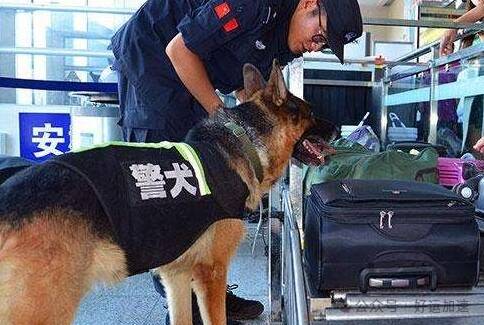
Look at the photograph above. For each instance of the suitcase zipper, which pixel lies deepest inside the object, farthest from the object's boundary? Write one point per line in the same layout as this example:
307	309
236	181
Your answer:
396	197
372	205
448	213
382	217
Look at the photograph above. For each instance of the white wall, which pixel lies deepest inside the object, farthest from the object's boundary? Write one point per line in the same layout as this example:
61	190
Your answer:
377	32
396	10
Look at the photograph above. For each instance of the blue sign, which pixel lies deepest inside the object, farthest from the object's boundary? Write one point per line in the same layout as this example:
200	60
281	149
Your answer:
44	135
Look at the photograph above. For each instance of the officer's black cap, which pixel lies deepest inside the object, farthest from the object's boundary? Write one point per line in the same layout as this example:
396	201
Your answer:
344	24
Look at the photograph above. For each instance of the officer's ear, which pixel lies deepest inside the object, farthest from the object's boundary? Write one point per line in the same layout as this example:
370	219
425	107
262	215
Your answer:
253	80
277	85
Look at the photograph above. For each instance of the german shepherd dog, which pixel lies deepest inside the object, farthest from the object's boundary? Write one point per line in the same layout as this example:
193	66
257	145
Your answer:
51	253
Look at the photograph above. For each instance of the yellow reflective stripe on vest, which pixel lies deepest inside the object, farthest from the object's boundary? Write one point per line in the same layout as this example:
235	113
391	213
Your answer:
184	149
189	154
164	145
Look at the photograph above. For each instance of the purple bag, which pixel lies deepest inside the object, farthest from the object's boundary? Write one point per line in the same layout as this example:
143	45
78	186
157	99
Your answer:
365	136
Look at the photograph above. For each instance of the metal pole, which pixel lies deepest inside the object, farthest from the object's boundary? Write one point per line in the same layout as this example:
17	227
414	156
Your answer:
419	51
420	23
384	108
300	292
289	292
471	52
295	265
368	62
339	83
417	32
275	268
56	51
51	7
434	104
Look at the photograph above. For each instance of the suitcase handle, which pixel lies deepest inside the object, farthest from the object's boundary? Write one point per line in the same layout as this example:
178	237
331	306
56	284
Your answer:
391	278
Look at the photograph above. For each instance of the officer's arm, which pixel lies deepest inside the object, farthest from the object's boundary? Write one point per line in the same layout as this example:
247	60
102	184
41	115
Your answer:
192	72
472	16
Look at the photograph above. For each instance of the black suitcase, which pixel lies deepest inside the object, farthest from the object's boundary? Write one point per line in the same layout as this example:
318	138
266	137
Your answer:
389	234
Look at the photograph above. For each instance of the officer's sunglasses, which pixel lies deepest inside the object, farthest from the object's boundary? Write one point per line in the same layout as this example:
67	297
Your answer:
320	38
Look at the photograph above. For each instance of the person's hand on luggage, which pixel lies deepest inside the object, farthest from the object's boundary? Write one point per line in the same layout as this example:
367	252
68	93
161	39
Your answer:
480	145
447	42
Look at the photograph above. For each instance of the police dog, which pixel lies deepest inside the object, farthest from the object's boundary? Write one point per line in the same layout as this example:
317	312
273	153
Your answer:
52	250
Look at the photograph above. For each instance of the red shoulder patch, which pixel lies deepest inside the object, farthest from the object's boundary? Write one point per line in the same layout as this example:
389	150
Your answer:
231	25
222	10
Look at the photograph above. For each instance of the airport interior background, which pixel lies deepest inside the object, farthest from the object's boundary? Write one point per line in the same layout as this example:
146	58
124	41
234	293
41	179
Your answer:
58	93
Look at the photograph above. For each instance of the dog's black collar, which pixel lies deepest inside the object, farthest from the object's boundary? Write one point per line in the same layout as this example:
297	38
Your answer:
248	148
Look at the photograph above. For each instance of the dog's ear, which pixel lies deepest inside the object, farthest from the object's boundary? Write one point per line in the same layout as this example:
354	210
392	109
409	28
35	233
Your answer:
253	80
277	84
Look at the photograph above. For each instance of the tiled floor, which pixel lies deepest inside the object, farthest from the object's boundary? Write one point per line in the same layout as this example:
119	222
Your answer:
135	301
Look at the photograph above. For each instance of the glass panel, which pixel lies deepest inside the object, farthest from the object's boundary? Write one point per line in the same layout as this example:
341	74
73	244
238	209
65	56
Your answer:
469	109
51	30
457	91
406	95
30	45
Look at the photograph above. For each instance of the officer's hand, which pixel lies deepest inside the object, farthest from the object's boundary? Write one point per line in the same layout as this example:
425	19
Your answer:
480	145
447	42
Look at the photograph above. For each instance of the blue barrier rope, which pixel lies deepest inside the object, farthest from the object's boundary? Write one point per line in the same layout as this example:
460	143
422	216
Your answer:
58	85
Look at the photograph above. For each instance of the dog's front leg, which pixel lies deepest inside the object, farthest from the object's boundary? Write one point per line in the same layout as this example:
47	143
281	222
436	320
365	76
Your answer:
179	295
210	285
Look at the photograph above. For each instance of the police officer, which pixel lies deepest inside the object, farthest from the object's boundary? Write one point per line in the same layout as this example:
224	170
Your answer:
173	54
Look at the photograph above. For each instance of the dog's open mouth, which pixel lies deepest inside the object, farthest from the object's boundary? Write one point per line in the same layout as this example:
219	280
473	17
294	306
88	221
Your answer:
311	150
313	146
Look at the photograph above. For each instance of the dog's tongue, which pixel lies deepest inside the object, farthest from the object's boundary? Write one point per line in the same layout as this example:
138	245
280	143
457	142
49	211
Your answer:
313	145
312	150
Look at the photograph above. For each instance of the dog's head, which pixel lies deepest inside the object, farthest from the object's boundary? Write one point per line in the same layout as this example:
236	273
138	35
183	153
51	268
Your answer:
294	129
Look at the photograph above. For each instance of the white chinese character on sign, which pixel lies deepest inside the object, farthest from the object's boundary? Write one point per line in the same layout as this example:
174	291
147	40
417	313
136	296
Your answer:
181	182
46	143
150	180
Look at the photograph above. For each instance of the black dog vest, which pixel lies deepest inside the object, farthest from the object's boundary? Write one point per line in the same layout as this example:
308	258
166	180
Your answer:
159	198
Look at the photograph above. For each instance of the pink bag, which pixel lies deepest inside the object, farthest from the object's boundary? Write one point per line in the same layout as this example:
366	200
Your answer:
451	170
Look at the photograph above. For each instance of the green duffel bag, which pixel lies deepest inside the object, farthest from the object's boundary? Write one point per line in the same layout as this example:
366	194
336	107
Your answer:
353	161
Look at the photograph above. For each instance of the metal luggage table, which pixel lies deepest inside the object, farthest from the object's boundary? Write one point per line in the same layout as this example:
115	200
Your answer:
292	301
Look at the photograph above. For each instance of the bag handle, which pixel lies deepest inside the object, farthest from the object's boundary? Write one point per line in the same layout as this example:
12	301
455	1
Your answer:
391	278
395	119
